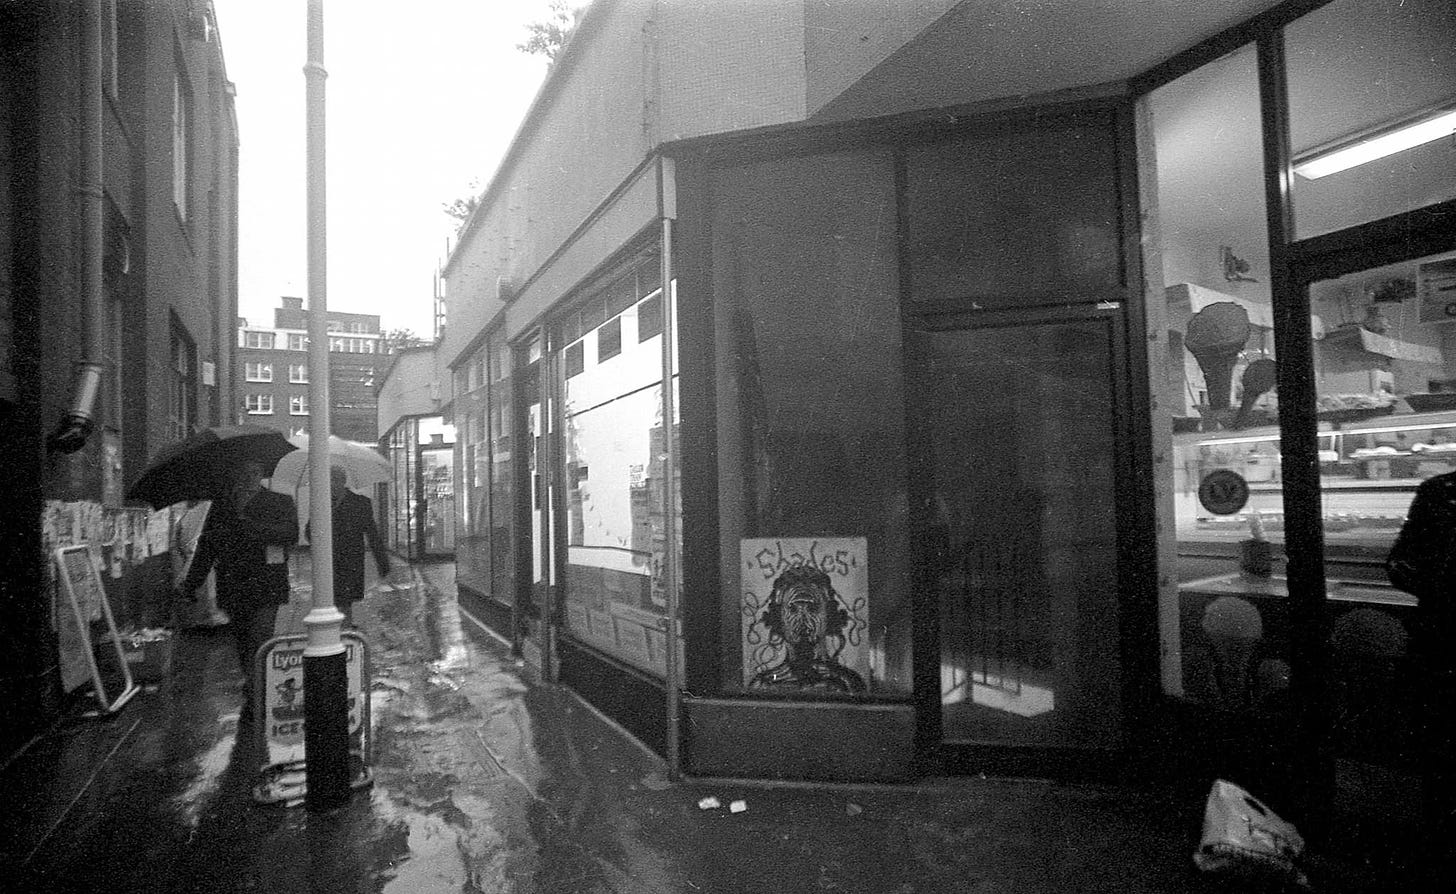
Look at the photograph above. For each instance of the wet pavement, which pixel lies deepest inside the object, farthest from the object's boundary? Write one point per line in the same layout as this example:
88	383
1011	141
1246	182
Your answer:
488	781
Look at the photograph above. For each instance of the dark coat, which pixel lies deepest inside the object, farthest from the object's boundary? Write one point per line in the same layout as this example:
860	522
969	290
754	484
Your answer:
353	519
1423	562
238	546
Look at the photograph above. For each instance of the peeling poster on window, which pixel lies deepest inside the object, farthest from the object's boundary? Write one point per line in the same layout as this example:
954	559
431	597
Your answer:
805	612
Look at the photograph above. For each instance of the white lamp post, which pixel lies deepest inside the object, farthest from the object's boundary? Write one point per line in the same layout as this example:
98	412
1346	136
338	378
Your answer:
325	671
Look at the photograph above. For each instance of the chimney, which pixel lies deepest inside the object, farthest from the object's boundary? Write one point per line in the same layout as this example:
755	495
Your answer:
292	303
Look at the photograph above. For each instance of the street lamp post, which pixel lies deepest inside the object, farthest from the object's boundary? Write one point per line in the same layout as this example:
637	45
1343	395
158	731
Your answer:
325	669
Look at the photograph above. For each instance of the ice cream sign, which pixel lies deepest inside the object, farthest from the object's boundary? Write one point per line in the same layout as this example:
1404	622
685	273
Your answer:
281	676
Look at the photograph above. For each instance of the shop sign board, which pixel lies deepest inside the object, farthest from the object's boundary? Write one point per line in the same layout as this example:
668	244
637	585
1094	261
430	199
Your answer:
805	610
1436	291
279	670
85	602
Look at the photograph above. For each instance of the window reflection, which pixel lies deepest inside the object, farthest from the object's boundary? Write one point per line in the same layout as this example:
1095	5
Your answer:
1358	68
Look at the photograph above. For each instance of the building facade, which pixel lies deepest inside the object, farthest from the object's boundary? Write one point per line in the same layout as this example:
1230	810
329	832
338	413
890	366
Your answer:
272	372
417	507
118	297
982	404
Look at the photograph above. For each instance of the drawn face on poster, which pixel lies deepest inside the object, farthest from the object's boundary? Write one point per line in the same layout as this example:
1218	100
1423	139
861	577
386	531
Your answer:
805	610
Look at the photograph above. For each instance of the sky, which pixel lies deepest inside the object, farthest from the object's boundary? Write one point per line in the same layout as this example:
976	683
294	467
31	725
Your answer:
422	99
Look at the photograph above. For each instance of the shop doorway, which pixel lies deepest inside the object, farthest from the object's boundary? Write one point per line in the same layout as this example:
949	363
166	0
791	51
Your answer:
1020	467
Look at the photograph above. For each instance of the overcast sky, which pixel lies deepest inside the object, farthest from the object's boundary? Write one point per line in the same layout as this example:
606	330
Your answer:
423	97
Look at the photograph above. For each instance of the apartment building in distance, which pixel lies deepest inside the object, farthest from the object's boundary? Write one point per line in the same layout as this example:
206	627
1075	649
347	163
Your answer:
273	373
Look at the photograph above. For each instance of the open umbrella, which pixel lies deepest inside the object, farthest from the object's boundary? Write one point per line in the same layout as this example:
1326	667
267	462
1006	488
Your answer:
199	467
363	466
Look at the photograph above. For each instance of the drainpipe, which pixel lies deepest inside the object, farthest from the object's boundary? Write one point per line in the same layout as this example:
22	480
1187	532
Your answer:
667	197
79	420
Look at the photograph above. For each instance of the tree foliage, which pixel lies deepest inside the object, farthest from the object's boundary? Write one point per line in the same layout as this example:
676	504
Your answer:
395	340
461	209
548	38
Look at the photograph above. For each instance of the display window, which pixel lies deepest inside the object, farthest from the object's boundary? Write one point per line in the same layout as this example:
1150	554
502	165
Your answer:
1278	510
495	516
810	421
614	445
472	551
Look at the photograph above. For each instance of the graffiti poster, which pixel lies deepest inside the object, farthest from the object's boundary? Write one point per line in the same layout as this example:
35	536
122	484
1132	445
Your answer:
805	614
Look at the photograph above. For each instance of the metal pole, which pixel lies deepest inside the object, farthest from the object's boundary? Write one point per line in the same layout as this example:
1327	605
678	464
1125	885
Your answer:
671	671
325	671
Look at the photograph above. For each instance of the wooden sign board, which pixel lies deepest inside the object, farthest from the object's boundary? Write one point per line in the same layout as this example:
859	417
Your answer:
85	597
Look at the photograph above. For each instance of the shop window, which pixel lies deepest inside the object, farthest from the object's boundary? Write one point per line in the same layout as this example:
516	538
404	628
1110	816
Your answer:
1359	73
1014	218
615	593
501	457
1211	353
811	440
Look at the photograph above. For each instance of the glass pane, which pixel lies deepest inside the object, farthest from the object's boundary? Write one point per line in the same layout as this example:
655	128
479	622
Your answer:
1211	356
1359	70
616	532
1021	440
1013	218
437	466
811	440
1385	370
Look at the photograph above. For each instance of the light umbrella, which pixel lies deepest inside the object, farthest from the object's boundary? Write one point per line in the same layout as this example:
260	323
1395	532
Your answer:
363	465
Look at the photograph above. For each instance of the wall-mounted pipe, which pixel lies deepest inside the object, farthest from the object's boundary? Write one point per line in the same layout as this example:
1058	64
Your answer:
79	420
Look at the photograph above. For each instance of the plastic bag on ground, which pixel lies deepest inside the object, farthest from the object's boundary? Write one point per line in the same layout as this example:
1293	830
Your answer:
1244	838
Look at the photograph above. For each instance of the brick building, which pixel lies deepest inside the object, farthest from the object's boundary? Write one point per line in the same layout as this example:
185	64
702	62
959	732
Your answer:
272	372
118	236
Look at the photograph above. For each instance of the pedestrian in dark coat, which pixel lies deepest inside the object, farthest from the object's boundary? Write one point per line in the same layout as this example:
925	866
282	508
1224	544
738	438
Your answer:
1423	562
353	519
246	538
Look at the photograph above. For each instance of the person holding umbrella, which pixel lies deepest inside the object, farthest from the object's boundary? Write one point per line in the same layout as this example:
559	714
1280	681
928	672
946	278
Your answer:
246	538
353	516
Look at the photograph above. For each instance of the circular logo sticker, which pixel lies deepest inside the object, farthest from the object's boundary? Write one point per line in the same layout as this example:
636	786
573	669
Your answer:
1223	492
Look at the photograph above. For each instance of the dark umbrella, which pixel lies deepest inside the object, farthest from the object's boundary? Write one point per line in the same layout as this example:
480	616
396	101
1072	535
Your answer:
200	467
